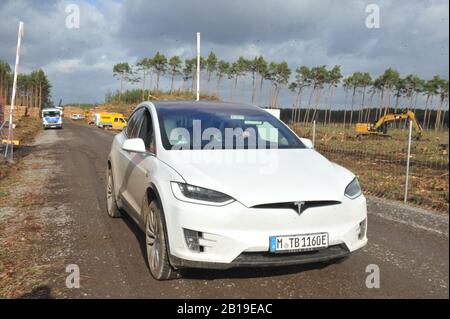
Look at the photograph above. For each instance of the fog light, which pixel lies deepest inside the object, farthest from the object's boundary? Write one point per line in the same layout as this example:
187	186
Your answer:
191	237
361	231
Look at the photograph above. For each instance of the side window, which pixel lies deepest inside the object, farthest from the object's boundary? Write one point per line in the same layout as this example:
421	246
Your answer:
133	123
146	132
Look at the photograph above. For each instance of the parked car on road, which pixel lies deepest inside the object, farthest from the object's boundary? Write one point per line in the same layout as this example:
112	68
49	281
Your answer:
219	185
77	117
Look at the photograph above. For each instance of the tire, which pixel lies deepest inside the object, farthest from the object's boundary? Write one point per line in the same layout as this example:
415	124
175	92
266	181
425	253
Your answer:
111	204
155	239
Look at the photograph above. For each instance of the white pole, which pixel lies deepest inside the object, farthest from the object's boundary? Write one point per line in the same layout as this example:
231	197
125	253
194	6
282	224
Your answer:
198	66
13	97
408	160
314	133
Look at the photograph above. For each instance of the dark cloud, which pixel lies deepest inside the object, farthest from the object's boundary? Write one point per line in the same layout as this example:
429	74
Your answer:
413	37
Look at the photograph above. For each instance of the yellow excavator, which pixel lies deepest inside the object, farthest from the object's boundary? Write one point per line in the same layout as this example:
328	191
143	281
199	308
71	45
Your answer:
380	127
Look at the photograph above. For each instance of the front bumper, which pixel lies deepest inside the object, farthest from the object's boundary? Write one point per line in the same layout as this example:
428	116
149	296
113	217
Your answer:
52	125
266	259
237	236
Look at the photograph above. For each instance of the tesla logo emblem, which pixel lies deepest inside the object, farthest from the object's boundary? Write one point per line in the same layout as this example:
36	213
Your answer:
299	206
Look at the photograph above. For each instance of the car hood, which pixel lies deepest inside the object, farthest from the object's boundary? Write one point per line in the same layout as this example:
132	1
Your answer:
255	177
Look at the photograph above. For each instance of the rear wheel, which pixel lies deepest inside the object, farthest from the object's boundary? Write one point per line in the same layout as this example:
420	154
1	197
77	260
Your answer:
157	256
111	204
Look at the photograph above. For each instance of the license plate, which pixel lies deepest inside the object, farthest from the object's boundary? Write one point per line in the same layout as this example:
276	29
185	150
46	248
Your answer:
295	243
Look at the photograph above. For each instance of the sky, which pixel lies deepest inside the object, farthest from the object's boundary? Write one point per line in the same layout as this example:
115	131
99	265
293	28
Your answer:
413	37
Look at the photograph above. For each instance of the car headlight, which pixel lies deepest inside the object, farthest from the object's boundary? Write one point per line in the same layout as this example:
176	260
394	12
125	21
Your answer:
199	195
353	189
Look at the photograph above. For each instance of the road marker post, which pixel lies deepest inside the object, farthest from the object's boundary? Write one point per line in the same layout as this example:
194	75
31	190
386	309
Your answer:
13	97
198	66
408	161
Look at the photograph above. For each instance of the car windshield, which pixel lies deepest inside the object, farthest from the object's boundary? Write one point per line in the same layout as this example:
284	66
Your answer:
221	128
51	114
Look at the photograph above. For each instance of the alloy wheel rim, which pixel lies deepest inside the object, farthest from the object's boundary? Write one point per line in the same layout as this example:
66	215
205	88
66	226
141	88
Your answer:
109	192
152	238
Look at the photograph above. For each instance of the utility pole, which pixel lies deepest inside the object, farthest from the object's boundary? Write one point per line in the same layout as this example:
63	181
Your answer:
198	66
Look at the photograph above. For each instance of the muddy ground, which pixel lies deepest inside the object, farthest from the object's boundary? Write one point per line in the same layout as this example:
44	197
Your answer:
53	214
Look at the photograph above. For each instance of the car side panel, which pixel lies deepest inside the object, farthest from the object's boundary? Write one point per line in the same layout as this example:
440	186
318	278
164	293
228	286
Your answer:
143	165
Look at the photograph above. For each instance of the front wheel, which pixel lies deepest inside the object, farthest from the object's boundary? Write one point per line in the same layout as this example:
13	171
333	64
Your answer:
111	204
157	256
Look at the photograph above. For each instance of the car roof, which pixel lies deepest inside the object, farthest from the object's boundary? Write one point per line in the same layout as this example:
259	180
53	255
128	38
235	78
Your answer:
203	105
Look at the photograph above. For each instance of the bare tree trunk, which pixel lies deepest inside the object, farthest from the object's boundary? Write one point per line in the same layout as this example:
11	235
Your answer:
243	90
277	94
306	117
150	87
143	86
353	104
328	110
443	115
345	106
380	104
219	80
428	111
318	97
397	98
369	108
360	117
234	88
157	83
437	121
253	87
299	103
260	89
231	89
270	94
388	100
1	89
209	80
28	102
296	107
171	84
36	99
40	96
416	97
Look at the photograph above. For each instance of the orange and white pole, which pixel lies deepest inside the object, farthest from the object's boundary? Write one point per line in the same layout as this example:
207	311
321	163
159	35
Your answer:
13	97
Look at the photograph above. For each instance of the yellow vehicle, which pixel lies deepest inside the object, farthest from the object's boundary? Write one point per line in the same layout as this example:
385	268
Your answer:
113	121
380	127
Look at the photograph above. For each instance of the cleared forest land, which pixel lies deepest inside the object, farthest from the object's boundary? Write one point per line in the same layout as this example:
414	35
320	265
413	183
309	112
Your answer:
380	162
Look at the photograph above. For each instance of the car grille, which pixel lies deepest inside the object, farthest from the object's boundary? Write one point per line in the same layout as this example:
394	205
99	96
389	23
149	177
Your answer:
294	206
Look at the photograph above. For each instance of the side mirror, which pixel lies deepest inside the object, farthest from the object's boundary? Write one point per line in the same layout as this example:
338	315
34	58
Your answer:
135	145
307	142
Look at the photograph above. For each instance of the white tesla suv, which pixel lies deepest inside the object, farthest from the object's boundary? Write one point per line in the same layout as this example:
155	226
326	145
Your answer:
220	185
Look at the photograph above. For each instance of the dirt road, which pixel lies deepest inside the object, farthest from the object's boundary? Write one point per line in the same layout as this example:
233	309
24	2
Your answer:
410	246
